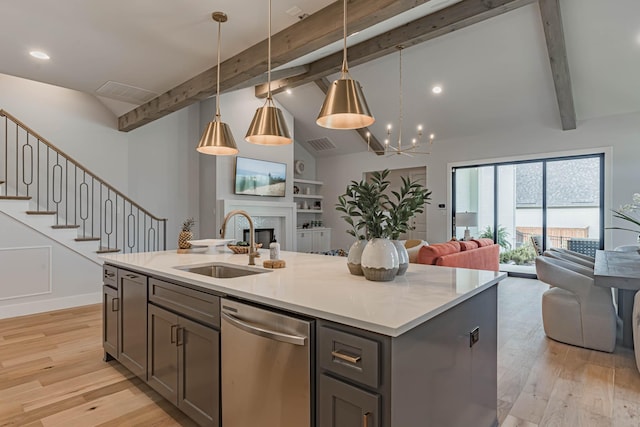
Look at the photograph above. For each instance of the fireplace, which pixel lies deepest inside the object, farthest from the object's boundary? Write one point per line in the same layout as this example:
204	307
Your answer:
263	235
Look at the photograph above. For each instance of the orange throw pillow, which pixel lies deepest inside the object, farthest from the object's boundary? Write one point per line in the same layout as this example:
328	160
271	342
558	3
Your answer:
468	245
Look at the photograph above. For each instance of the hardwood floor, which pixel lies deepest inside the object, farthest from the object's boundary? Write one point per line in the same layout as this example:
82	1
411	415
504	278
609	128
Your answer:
52	374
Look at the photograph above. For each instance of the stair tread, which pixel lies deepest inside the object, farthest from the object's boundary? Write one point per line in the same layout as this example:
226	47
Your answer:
41	212
105	250
15	198
87	239
65	226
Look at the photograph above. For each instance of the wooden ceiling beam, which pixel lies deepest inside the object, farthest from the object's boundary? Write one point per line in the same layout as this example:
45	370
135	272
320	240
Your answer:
554	34
444	21
370	139
303	37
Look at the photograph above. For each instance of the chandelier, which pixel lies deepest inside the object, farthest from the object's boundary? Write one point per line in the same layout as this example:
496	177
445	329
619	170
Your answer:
416	145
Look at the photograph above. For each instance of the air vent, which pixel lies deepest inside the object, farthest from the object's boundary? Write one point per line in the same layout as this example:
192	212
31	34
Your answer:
126	93
321	144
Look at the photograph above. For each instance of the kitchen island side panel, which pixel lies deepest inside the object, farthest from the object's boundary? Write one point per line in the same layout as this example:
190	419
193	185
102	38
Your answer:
438	377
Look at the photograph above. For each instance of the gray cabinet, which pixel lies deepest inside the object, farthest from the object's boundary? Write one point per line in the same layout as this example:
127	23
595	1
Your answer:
343	405
431	376
184	355
110	321
132	288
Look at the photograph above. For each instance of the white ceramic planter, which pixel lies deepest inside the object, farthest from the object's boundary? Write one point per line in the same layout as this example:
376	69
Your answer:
403	257
355	256
380	261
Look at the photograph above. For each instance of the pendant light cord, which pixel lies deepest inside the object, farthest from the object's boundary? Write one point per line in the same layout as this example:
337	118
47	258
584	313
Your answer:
218	77
269	58
345	68
400	129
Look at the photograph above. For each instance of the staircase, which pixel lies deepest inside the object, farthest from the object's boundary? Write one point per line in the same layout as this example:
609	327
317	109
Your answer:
46	189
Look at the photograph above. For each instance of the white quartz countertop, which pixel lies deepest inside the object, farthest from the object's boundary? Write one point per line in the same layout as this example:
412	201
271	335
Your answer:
321	286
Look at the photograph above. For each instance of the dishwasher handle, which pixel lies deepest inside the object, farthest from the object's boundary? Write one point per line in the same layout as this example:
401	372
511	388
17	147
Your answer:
266	333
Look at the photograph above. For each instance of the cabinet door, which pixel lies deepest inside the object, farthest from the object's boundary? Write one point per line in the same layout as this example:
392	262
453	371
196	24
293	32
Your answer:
343	405
163	353
110	326
305	241
321	240
199	372
133	322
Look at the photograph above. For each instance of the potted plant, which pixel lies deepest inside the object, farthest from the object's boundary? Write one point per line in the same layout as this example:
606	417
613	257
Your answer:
186	234
372	214
349	205
404	204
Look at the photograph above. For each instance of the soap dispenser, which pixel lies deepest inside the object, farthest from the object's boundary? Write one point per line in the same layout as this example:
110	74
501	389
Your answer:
274	249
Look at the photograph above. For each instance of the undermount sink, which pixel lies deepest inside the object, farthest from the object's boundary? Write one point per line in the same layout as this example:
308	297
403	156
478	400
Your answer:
221	270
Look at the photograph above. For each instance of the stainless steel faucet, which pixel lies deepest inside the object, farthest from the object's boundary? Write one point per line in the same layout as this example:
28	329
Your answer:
253	252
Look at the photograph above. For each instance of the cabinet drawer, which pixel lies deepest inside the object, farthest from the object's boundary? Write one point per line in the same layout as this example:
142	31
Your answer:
349	355
197	305
110	276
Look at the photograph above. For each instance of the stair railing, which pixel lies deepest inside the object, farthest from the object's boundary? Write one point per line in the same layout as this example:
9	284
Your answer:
35	169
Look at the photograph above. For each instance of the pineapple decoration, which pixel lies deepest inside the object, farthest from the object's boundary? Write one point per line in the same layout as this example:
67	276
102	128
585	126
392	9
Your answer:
186	234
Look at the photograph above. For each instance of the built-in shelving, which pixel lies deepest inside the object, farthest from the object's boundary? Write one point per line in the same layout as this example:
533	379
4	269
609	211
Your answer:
307	196
307	181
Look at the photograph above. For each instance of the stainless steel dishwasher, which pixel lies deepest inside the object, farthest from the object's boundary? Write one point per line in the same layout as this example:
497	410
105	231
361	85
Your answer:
266	367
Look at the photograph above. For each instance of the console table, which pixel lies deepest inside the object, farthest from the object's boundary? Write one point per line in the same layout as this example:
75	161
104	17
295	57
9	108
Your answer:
620	270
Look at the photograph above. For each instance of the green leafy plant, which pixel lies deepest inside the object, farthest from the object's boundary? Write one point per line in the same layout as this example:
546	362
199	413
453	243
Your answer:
502	238
188	224
371	213
525	254
625	213
408	201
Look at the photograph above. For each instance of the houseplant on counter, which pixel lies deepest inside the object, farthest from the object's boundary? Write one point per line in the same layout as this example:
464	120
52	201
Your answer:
367	206
349	206
404	204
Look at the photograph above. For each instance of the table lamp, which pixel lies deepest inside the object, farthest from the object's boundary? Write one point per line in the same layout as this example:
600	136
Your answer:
466	219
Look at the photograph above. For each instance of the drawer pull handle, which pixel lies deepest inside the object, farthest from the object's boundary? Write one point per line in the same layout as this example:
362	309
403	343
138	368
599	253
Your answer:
131	276
365	419
174	330
115	304
109	274
345	357
179	336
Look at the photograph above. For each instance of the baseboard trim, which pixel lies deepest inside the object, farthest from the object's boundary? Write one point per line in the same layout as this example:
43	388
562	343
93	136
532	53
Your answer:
41	306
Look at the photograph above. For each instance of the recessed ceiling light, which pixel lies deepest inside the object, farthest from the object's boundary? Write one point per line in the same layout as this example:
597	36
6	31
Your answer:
436	89
288	91
39	54
354	34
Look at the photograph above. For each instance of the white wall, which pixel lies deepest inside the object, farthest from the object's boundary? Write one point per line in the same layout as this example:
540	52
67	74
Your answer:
74	279
301	153
621	132
164	169
75	122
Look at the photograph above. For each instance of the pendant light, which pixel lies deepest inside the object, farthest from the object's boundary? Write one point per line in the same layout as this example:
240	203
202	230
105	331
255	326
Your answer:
345	106
217	138
268	126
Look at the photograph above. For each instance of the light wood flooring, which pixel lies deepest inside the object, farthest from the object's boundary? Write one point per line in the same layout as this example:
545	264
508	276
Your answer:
52	374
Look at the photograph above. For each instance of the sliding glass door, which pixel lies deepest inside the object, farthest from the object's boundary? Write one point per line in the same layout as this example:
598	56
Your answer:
555	202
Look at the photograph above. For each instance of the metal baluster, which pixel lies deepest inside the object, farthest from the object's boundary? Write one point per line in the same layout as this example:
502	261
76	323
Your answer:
66	192
56	200
47	177
84	187
144	234
116	222
38	174
164	234
93	201
100	207
6	154
16	165
26	147
75	195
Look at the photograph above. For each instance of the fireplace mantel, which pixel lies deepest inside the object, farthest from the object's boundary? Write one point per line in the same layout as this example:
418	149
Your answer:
265	214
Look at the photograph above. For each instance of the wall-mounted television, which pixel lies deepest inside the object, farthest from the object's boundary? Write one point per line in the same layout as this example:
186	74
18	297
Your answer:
260	177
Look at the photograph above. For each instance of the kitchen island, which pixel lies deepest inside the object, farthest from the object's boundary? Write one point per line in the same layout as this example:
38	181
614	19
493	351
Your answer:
417	351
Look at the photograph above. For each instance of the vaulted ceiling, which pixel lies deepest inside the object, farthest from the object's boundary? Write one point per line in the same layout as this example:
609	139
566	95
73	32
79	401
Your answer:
496	69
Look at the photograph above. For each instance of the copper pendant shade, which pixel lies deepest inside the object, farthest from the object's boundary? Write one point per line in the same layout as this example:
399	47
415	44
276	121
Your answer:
268	126
217	138
345	106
